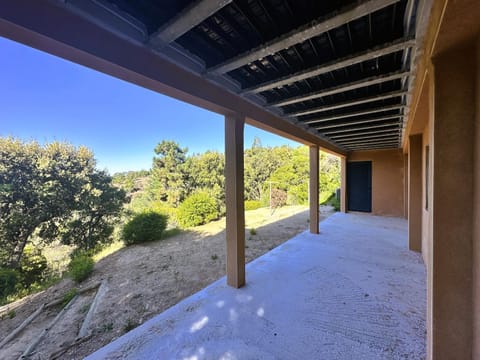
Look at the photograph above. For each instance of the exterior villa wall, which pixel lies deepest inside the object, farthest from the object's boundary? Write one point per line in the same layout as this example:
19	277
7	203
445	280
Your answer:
387	180
476	215
425	211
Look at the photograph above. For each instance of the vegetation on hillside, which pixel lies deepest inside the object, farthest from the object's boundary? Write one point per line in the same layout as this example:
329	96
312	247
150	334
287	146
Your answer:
273	176
53	195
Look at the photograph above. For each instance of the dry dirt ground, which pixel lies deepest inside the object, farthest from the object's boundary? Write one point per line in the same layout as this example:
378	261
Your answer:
139	282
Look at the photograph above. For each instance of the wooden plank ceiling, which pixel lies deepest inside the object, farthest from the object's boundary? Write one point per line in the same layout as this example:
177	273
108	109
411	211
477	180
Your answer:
340	69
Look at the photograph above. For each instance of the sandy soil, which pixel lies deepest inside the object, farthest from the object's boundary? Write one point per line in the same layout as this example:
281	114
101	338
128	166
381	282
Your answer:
142	281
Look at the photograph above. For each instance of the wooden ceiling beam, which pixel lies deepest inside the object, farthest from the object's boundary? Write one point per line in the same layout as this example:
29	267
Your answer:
186	20
336	64
389	138
342	88
357	113
356	134
328	133
365	121
299	35
366	100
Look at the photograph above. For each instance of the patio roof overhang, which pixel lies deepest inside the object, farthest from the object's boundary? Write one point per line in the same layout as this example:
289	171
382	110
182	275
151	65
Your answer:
316	72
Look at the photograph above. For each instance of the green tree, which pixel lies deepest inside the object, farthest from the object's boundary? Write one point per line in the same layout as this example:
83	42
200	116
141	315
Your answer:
52	192
92	220
131	181
206	172
168	179
293	176
260	163
329	175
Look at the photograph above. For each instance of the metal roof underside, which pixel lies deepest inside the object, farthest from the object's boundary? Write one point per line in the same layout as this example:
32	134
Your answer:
339	69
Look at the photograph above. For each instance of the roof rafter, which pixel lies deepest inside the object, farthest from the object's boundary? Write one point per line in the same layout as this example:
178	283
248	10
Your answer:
302	34
328	133
186	20
358	113
342	88
386	96
343	136
373	143
389	138
365	121
387	146
336	64
368	137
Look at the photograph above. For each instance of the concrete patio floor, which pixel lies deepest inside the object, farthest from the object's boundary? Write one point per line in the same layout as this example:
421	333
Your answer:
353	292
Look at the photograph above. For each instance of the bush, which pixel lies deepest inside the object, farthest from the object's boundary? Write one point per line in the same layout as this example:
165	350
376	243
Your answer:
33	266
163	208
197	209
146	226
333	201
8	282
68	296
80	267
252	204
279	198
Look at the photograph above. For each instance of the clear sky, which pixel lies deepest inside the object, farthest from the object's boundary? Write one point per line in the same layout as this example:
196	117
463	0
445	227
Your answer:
46	98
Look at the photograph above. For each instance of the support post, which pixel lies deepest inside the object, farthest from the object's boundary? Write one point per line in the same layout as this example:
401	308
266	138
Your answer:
313	198
449	282
343	184
234	198
415	193
405	186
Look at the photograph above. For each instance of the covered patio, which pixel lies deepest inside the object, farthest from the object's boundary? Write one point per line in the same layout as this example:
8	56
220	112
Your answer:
390	86
354	291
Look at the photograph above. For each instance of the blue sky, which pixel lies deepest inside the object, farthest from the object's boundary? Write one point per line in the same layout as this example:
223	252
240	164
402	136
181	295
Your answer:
46	98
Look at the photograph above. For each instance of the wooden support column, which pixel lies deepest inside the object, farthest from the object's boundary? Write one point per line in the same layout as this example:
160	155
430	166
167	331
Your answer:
415	193
343	184
313	198
234	198
405	186
450	287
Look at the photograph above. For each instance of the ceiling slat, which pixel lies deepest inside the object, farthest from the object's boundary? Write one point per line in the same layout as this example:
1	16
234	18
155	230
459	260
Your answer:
185	21
366	100
356	134
302	34
342	88
332	66
364	121
369	140
357	113
328	133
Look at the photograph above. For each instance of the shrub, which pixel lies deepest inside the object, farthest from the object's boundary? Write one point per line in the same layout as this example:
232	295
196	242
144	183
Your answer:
279	198
333	201
146	226
33	266
8	281
80	267
197	209
163	208
68	296
252	204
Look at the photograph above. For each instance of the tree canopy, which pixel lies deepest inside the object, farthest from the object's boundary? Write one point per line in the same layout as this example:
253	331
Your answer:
53	192
176	175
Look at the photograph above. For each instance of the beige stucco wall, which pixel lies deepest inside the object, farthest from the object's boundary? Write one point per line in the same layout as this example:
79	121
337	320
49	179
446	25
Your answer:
425	212
476	215
387	180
